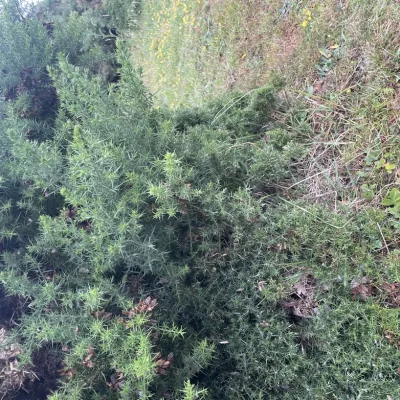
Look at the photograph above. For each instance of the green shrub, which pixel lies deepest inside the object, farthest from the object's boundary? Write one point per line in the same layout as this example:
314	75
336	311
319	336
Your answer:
159	253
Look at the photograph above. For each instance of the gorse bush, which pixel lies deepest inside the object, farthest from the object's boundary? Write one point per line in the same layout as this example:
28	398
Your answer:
162	254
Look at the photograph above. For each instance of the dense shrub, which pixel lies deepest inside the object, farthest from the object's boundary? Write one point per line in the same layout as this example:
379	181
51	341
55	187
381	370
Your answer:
158	252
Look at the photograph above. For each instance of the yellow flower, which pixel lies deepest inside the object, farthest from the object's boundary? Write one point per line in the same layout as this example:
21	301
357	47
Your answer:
304	24
243	56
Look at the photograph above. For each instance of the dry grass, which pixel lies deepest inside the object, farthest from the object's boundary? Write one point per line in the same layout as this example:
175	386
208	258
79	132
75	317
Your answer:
224	44
353	109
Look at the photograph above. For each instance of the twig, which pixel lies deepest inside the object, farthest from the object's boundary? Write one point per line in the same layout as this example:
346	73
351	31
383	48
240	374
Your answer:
308	177
383	238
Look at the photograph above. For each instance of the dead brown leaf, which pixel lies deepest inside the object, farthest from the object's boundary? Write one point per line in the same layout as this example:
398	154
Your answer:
87	362
261	285
144	306
67	372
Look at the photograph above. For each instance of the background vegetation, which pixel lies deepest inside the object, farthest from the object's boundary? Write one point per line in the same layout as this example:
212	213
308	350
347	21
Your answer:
199	199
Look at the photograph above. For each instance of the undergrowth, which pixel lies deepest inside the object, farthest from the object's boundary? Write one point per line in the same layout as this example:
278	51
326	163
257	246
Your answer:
218	218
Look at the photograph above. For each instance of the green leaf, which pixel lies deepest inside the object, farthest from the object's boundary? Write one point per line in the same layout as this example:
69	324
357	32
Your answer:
392	199
390	167
372	155
387	202
395	195
367	192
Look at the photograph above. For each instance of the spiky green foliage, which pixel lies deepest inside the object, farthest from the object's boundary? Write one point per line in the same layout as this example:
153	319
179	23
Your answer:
24	45
114	205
